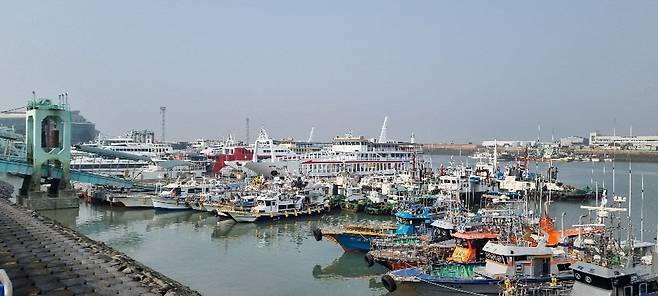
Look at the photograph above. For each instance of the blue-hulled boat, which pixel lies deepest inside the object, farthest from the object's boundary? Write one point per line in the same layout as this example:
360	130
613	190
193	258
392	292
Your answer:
358	238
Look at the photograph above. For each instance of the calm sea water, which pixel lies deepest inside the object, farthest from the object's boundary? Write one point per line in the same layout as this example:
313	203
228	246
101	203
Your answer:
282	258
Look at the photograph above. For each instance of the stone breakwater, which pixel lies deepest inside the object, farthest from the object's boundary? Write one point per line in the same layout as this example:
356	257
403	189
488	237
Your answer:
41	256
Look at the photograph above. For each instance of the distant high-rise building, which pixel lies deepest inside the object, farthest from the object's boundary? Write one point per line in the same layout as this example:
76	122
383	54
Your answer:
142	136
82	130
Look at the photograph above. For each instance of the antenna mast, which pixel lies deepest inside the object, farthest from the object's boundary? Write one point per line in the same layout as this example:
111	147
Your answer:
162	114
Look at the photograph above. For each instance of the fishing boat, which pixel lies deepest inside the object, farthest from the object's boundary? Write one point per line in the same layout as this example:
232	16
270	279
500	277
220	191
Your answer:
170	203
358	238
406	252
518	263
174	196
239	203
278	205
355	200
611	267
133	200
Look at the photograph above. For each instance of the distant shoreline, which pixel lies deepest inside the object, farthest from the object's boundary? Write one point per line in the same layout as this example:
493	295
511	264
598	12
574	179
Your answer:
619	155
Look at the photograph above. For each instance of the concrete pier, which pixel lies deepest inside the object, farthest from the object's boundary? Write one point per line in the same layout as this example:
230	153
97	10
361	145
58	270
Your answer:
43	257
39	200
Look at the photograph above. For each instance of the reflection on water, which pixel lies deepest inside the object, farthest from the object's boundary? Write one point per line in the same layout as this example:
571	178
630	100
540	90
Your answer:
348	265
211	254
217	256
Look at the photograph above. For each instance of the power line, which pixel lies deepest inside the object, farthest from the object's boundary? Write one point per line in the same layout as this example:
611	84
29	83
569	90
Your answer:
13	109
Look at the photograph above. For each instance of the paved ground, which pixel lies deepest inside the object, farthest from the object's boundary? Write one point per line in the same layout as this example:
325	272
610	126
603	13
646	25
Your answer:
42	257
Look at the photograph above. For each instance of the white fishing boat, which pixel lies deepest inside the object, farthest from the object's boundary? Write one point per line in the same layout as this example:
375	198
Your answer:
276	205
174	196
240	203
133	200
168	203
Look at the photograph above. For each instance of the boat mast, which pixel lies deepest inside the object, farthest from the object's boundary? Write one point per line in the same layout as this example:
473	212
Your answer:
495	157
383	133
604	175
642	212
630	204
596	193
310	136
614	153
254	156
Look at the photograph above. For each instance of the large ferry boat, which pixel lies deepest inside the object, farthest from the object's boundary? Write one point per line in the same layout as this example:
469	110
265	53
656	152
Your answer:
130	146
346	154
359	156
136	156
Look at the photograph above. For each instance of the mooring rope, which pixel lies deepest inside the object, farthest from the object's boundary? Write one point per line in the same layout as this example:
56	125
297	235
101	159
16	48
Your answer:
451	288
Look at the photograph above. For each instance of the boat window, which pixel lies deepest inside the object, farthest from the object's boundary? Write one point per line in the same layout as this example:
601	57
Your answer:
643	289
563	266
496	258
541	267
628	291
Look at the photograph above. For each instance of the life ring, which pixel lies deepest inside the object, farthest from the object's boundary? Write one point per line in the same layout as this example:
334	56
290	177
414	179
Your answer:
389	283
317	233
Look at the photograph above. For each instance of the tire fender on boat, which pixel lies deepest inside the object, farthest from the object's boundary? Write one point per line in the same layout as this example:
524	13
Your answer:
370	260
317	233
389	283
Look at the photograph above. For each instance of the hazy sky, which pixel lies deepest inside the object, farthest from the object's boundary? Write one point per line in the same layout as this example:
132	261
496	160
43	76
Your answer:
446	70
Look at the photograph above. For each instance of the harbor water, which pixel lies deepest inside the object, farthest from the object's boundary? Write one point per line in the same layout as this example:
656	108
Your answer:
220	257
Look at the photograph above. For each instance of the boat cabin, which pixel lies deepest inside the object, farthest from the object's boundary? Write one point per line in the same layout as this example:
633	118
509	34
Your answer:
592	279
277	204
519	261
469	245
411	222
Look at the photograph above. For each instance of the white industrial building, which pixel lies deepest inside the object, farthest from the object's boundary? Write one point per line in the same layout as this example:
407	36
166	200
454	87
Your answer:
572	141
491	144
630	142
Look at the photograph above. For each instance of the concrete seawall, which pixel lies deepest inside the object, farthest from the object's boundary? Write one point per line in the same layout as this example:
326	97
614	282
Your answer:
43	257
